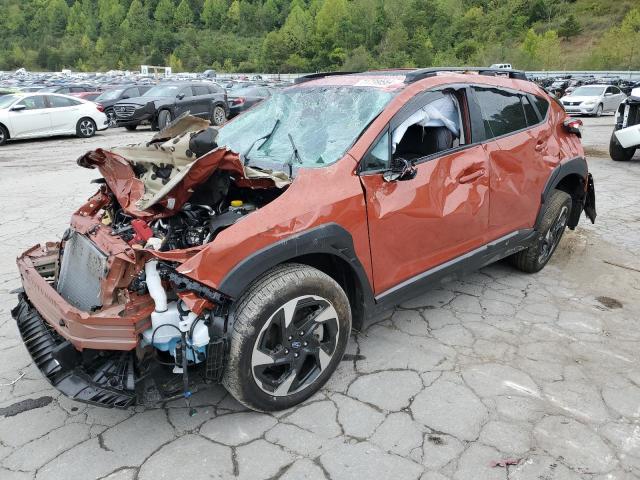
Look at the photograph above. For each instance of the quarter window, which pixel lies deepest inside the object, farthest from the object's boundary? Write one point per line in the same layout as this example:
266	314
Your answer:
542	105
529	112
378	156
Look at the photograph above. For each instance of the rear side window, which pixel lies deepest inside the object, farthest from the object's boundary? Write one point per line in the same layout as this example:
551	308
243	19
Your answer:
502	112
200	90
58	102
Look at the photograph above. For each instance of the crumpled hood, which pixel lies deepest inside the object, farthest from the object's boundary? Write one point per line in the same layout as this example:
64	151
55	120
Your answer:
155	179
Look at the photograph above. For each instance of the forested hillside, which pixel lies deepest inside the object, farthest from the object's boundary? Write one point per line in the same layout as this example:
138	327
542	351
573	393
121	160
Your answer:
309	35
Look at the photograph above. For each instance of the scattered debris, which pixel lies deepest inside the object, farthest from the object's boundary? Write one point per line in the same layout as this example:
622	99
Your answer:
12	382
505	462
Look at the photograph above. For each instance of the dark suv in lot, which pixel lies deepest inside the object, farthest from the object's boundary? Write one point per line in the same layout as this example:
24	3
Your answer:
165	102
245	254
111	96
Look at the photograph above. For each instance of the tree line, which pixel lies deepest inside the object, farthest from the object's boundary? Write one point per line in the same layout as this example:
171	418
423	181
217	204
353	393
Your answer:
310	35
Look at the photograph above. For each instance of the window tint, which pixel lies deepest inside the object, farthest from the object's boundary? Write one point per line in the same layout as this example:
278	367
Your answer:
378	156
186	91
542	105
59	102
33	103
200	90
502	112
529	112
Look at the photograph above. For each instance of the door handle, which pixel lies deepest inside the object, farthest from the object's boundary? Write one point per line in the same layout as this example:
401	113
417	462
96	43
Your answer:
471	176
540	146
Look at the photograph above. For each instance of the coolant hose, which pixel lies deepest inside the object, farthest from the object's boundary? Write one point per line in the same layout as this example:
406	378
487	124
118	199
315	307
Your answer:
154	285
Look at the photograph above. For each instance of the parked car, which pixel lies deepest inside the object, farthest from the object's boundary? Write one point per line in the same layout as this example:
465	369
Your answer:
625	138
247	253
593	100
558	87
244	98
111	96
167	101
501	66
90	96
67	89
30	115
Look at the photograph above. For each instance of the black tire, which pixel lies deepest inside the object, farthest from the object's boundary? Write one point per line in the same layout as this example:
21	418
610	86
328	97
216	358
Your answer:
86	128
297	361
617	152
599	111
131	128
164	119
218	116
4	135
557	210
111	117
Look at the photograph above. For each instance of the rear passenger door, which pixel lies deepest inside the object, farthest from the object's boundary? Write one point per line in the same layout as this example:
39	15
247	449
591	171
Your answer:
522	153
202	101
64	112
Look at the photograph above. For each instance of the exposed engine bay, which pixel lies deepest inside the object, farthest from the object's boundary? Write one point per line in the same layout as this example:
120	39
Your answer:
158	204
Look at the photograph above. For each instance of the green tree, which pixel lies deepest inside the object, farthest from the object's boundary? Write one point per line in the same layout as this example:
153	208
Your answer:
184	15
570	27
213	13
163	13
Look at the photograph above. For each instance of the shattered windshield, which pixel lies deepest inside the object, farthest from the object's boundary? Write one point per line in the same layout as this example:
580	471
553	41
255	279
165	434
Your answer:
308	126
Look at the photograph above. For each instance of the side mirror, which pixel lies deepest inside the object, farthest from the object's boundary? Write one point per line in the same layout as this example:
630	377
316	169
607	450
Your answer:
401	170
180	96
17	108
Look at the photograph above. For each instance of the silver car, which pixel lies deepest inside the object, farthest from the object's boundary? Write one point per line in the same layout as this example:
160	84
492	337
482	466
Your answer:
593	100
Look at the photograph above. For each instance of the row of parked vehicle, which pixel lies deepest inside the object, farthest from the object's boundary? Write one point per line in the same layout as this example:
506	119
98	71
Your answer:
78	109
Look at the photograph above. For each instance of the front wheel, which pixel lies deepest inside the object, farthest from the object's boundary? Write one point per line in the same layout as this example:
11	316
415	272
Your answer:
164	119
219	116
86	128
554	220
4	135
617	152
289	333
111	118
599	111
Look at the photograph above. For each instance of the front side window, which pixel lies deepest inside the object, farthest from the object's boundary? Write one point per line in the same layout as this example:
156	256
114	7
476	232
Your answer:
502	112
379	156
186	92
32	103
319	123
163	91
432	128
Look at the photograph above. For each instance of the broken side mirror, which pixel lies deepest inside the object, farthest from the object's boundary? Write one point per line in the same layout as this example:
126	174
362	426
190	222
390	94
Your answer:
401	169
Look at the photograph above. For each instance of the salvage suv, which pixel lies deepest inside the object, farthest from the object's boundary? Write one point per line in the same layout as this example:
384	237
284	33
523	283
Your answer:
246	254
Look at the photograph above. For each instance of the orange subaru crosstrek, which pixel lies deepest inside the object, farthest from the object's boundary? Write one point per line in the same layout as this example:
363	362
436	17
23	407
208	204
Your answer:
245	254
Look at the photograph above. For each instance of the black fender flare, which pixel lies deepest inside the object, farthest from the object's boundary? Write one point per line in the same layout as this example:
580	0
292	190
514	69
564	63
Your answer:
328	239
575	166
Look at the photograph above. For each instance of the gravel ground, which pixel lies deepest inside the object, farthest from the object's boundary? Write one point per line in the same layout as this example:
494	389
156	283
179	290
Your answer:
539	372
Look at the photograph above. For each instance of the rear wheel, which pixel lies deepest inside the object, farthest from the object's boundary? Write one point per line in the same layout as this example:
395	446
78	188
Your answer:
86	128
290	331
219	116
164	119
617	152
554	220
4	135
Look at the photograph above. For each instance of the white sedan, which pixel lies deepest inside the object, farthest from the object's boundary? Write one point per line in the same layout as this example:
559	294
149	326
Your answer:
30	115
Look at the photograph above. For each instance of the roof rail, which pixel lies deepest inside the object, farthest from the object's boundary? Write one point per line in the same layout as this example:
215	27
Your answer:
422	73
315	76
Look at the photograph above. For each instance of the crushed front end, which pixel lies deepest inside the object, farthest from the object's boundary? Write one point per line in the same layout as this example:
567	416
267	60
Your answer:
104	312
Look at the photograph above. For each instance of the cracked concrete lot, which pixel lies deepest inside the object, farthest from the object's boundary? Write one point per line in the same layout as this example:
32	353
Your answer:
500	375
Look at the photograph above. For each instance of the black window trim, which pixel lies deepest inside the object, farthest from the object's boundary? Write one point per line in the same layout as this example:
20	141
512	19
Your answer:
514	92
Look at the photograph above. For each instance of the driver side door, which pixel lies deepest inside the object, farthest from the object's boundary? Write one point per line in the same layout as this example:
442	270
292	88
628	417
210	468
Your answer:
421	223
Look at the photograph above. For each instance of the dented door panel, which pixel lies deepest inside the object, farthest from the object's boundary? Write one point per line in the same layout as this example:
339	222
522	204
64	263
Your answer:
418	224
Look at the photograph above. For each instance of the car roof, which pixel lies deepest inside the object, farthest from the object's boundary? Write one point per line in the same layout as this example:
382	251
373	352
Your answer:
399	78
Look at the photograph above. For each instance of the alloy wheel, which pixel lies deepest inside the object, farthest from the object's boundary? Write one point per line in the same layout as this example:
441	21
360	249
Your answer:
86	128
295	345
218	116
111	118
550	240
